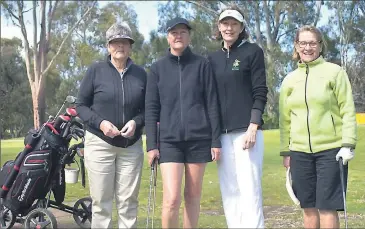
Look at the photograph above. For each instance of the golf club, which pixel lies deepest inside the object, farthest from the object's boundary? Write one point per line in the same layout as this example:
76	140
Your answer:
340	162
152	191
153	182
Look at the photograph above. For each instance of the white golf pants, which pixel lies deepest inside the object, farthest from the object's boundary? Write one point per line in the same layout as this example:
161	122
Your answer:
113	172
240	173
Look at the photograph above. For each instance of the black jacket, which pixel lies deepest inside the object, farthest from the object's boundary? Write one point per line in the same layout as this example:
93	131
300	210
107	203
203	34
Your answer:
241	79
105	94
181	95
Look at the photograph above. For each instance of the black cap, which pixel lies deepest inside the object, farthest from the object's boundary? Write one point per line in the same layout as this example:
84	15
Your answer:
178	20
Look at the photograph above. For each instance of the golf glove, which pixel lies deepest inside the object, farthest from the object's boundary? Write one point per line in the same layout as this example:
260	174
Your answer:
346	153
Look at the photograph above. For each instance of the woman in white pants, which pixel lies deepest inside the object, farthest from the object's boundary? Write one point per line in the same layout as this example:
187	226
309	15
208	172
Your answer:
239	69
111	104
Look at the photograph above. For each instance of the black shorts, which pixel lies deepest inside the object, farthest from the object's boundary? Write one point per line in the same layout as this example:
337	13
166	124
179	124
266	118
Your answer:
186	152
316	179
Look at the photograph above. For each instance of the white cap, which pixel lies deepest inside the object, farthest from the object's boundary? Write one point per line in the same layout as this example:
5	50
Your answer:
289	188
231	13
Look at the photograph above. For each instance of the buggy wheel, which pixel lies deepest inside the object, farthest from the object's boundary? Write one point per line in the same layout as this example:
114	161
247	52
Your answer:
7	217
82	212
40	218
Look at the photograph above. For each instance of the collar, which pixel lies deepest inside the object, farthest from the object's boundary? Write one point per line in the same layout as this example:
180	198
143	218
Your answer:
184	56
313	63
128	64
236	44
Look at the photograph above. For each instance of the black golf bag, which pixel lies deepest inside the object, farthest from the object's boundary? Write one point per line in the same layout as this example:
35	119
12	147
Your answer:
35	171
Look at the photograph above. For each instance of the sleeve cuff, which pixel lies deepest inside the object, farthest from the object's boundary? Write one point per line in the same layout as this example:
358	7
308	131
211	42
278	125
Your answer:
151	148
352	146
150	145
216	144
138	120
285	153
98	122
256	117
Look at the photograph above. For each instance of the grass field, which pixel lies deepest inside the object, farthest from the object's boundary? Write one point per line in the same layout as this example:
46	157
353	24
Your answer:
279	210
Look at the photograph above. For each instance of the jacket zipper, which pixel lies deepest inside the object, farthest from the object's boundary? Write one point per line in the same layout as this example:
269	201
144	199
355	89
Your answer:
306	103
123	104
181	106
225	97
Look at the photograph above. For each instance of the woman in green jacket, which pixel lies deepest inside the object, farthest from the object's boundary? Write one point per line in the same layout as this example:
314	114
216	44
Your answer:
317	127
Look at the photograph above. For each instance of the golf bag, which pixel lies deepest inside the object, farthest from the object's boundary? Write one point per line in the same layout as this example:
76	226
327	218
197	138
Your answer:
35	171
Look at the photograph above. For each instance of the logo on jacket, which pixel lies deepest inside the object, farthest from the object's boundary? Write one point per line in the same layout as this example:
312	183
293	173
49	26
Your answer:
236	65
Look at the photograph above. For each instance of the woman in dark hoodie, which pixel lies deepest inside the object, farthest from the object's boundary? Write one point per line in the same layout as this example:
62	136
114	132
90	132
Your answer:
181	95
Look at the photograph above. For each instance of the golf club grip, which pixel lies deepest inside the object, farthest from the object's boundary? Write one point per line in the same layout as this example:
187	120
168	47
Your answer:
158	135
340	163
158	145
82	167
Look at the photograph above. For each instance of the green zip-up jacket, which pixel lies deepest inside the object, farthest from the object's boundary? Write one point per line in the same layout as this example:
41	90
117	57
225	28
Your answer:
317	111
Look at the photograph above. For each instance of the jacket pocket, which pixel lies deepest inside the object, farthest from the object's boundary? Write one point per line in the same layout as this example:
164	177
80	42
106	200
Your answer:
333	124
197	122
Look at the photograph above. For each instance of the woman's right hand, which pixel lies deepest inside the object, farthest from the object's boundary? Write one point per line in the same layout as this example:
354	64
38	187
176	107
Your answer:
152	154
286	161
109	129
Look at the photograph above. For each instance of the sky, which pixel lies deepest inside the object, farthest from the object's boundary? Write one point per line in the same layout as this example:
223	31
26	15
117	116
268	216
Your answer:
146	11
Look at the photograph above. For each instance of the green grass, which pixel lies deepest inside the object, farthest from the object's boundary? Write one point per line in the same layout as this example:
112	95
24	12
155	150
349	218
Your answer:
279	210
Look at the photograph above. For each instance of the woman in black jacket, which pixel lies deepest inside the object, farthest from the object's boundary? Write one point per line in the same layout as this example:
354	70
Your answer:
239	68
181	95
111	104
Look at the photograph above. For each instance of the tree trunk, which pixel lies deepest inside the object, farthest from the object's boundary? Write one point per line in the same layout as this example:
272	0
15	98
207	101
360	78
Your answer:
35	106
41	104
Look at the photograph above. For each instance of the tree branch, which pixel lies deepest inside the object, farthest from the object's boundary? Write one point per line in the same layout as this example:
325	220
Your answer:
6	6
64	40
51	12
278	22
26	11
209	10
362	9
268	27
284	34
318	13
42	40
26	42
256	6
35	46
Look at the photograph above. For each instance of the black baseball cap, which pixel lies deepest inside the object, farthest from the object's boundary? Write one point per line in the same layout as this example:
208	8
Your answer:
175	21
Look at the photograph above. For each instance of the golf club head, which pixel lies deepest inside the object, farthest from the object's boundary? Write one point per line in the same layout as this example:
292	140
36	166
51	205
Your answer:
74	136
79	132
70	99
76	122
60	120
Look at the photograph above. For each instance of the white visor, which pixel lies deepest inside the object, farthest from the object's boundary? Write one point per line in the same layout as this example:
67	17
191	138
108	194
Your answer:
289	188
231	13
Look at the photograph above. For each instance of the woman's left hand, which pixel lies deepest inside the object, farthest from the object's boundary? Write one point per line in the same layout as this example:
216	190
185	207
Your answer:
249	138
216	153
